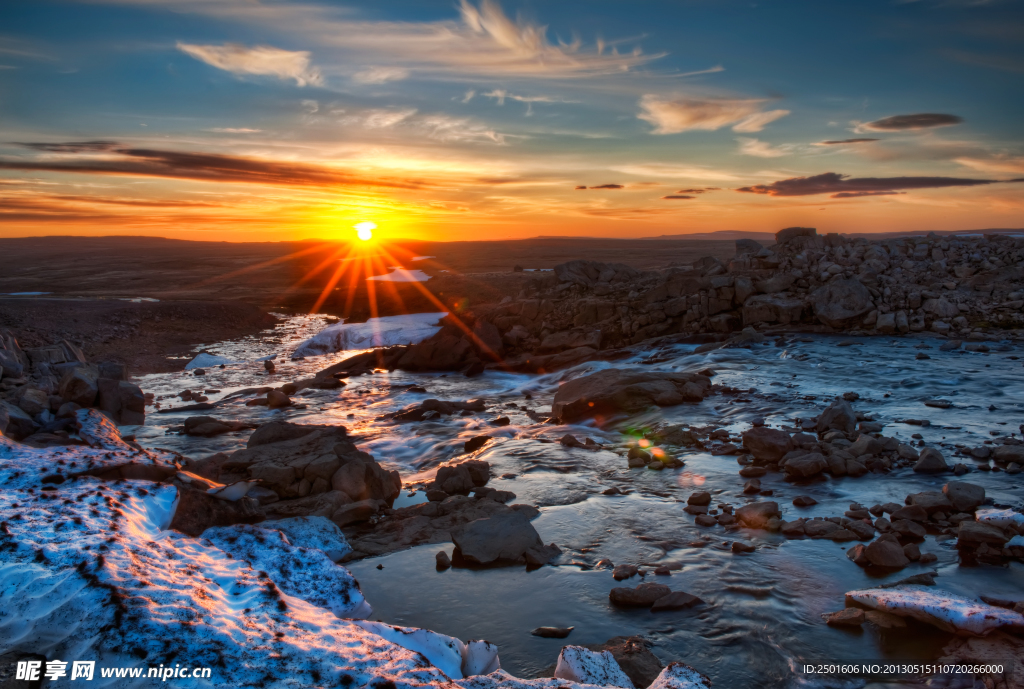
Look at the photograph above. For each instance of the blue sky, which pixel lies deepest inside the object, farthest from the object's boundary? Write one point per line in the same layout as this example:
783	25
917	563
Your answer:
240	120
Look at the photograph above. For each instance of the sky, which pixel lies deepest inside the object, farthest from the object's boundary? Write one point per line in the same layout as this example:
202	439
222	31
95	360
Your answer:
266	120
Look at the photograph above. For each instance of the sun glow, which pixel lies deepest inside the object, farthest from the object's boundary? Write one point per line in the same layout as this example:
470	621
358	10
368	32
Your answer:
364	230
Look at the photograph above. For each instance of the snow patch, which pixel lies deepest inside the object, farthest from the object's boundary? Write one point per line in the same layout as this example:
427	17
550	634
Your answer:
376	332
312	532
204	360
443	652
305	573
401	275
947	611
421	258
579	664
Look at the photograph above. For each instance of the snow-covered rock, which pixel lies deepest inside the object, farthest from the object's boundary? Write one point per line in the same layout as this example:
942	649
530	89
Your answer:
312	532
998	517
579	664
947	611
376	332
680	676
305	573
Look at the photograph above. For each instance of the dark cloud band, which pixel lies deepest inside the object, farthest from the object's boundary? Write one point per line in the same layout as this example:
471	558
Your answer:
922	120
835	183
846	141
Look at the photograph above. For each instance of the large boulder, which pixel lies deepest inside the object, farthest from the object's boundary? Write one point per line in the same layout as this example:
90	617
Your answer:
14	422
965	497
79	385
785	235
756	514
296	463
625	391
642	596
767	444
506	536
886	553
837	416
806	466
930	461
841	303
973	534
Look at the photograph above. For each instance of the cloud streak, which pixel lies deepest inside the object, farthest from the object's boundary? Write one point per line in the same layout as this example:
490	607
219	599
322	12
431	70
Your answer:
840	142
258	60
837	184
900	123
203	167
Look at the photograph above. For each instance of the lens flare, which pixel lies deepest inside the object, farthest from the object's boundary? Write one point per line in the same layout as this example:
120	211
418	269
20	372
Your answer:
364	230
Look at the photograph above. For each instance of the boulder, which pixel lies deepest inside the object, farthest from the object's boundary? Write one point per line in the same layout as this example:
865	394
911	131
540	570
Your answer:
197	511
643	596
785	235
965	497
807	466
886	553
14	422
506	536
1005	454
634	656
79	385
767	444
973	534
931	501
583	666
33	401
366	480
756	514
930	461
841	303
837	416
616	391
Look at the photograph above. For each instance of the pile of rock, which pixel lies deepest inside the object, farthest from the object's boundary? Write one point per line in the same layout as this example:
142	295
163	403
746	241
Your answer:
41	388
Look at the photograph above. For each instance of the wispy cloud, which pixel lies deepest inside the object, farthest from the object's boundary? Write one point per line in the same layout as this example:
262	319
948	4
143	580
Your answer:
762	149
669	170
233	130
998	163
674	114
835	184
380	75
260	60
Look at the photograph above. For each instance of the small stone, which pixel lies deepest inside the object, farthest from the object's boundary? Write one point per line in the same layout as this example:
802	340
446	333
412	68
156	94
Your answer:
624	572
740	547
443	561
676	600
804	501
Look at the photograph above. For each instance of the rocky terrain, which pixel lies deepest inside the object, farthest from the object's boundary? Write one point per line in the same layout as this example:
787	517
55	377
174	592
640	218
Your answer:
280	516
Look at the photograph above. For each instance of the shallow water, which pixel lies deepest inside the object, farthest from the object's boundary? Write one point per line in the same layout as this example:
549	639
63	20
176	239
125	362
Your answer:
762	612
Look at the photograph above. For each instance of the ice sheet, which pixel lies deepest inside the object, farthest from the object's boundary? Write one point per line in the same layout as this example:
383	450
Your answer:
376	332
401	275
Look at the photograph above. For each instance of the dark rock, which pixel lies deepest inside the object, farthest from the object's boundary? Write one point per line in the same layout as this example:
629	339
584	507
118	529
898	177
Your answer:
644	595
786	235
677	600
965	497
442	559
841	302
504	537
804	501
886	553
616	391
767	444
552	632
756	514
849	617
930	461
541	555
475	443
837	416
700	499
621	572
973	534
197	511
741	547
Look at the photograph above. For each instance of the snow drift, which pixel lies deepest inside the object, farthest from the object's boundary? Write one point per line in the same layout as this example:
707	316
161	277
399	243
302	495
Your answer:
376	332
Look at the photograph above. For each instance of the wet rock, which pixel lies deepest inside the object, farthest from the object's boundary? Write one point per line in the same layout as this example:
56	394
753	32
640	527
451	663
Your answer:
767	444
931	501
475	443
1009	453
974	534
739	547
705	520
804	501
79	385
806	466
756	514
277	399
700	499
676	600
752	487
462	477
644	595
841	303
753	472
912	551
355	512
886	553
504	537
837	416
443	561
421	411
541	555
907	452
616	391
552	632
930	461
908	528
915	513
884	620
820	528
636	453
848	617
624	572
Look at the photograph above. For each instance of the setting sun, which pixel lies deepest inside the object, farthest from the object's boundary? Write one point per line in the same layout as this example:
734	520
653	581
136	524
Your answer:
364	230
